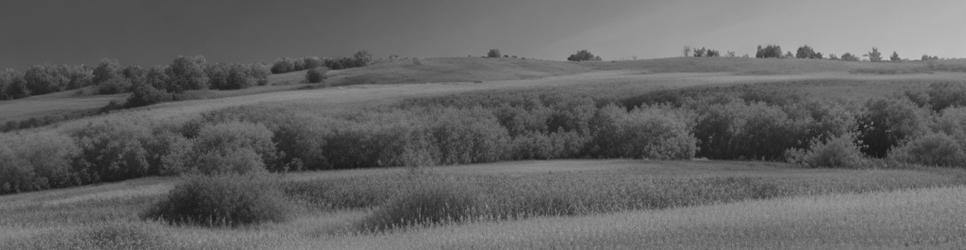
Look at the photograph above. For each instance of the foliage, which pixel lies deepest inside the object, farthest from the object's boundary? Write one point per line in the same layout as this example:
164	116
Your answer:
647	132
225	200
895	57
494	53
233	147
936	149
770	51
850	57
113	151
874	55
583	55
316	75
836	152
887	122
806	52
187	73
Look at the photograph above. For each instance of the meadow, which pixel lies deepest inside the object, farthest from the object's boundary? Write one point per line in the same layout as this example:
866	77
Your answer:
510	153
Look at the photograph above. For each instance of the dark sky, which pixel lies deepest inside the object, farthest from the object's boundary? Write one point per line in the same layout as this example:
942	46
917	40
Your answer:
153	32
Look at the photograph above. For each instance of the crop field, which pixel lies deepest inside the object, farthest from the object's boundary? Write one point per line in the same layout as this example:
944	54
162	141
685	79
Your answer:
471	153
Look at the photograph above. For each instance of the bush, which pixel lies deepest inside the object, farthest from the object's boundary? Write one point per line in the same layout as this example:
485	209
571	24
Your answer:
113	151
145	94
50	156
425	202
770	51
107	69
187	73
583	55
316	75
935	149
225	200
836	152
15	175
468	136
647	132
946	94
888	121
494	53
114	86
234	147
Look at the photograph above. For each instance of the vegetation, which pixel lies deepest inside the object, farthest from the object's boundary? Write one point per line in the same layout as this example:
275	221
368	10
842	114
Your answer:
583	55
316	75
770	51
806	52
494	53
228	200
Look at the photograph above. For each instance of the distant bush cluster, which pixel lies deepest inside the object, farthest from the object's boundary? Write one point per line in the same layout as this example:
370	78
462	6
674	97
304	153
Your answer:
285	65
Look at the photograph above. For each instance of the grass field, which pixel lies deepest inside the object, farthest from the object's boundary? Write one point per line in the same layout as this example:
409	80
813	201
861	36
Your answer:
856	202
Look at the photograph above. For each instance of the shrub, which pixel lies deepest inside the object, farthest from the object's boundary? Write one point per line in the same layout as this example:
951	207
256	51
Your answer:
888	121
112	151
468	136
647	132
936	149
224	200
107	69
770	51
806	52
494	53
942	95
747	131
850	57
49	156
15	175
234	146
240	77
114	86
583	55
315	75
836	152
168	153
426	202
145	94
187	73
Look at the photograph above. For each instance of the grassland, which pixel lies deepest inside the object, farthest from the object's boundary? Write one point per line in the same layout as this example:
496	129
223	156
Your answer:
605	204
107	215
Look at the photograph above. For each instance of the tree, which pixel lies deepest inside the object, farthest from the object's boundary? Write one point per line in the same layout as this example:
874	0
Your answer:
583	55
929	58
187	73
494	53
687	51
895	57
770	51
849	57
874	55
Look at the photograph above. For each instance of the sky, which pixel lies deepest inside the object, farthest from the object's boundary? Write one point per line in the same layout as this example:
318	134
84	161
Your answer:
152	32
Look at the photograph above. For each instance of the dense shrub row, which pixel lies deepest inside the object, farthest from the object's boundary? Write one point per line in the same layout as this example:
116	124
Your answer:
769	122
